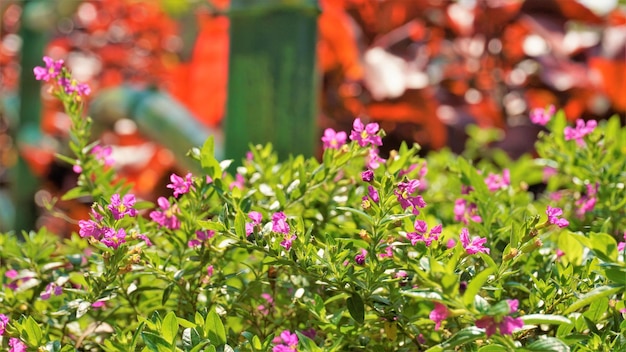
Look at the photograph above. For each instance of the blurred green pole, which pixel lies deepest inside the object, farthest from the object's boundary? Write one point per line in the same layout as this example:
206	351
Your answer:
28	131
272	77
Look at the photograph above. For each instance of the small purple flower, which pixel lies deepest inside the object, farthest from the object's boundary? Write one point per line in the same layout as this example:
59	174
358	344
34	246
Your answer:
51	288
438	315
180	185
554	217
113	239
4	320
506	324
541	116
406	199
71	86
373	160
256	218
279	223
145	239
373	194
50	71
495	182
287	241
122	206
622	245
580	131
201	237
16	345
475	245
465	213
210	270
239	182
333	139
89	228
286	342
360	258
103	154
166	216
367	175
420	235
365	134
388	253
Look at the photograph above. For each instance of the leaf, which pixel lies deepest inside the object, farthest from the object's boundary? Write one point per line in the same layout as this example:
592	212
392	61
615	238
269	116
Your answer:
475	285
155	342
462	337
133	342
356	307
537	319
589	297
33	332
211	225
208	160
603	246
492	348
548	344
240	224
305	344
169	327
356	211
214	328
166	293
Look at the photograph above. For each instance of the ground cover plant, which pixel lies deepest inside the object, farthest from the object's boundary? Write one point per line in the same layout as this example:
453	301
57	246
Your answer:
352	252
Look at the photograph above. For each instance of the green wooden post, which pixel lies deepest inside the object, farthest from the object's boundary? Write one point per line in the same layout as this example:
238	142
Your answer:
24	183
272	79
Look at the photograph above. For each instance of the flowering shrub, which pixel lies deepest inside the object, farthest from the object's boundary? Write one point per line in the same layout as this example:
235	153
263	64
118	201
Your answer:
404	254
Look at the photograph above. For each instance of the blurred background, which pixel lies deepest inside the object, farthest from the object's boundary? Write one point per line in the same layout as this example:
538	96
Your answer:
165	74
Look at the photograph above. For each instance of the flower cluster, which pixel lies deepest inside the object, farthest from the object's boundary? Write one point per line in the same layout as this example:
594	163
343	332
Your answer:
495	182
55	70
554	217
580	131
95	228
166	216
404	193
421	235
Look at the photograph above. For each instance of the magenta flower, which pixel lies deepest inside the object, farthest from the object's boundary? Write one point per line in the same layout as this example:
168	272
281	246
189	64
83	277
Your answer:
89	228
200	238
438	315
256	218
210	270
287	342
4	320
475	245
506	324
421	234
333	139
541	116
16	345
373	160
103	154
388	253
122	206
50	71
51	288
554	217
180	185
145	239
113	239
465	213
365	134
495	182
279	223
580	131
166	216
360	258
239	182
372	193
71	86
287	241
622	245
265	309
367	175
406	199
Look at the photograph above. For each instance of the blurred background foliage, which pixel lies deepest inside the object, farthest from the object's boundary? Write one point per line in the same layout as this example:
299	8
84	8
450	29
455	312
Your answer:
423	69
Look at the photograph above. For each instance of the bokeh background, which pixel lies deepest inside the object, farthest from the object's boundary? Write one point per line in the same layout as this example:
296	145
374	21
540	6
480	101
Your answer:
423	69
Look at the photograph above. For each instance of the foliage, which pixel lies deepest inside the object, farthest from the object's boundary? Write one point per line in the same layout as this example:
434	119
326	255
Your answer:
347	253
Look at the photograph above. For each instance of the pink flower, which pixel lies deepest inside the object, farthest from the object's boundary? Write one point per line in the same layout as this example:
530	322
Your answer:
559	253
465	213
71	86
622	245
541	116
475	245
451	243
166	216
89	228
145	239
239	182
50	71
365	134
495	182
406	199
333	139
287	241
580	131
16	345
265	309
287	342
421	236
372	193
103	154
438	315
367	175
4	320
256	218
122	206
180	185
554	217
506	324
201	237
51	288
210	270
113	239
279	223
548	172
360	258
388	253
373	160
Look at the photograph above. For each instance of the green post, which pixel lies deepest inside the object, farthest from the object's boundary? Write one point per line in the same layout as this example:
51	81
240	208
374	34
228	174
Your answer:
24	183
272	77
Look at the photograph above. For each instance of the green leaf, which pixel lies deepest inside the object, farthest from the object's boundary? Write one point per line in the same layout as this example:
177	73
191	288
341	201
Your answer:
133	342
208	160
305	344
166	293
33	332
462	337
240	224
358	212
214	328
589	297
185	323
211	225
492	348
169	327
548	344
356	307
537	319
475	285
603	246
155	343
